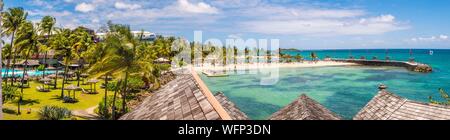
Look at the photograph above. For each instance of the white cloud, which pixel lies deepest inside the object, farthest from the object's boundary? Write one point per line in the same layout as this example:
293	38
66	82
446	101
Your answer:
326	26
121	5
85	7
201	7
439	38
285	13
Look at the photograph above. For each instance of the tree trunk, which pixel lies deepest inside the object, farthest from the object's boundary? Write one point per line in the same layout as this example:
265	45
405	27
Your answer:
13	67
18	105
45	55
80	66
24	71
113	112
64	79
45	63
106	94
56	78
124	93
8	63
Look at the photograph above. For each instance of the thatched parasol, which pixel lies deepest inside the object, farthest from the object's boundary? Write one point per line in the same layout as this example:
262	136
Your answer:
93	81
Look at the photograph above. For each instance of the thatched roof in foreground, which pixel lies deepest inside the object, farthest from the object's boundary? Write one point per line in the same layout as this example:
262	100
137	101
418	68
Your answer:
304	108
230	107
180	99
387	106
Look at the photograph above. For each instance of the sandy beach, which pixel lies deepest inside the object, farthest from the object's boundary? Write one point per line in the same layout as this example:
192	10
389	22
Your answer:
306	64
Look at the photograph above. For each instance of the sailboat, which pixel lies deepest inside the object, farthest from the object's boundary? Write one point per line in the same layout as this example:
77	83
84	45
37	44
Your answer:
431	52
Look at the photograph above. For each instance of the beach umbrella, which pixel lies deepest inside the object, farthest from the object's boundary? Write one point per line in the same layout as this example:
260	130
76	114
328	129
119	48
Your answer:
45	80
71	88
109	77
84	76
93	81
161	60
70	73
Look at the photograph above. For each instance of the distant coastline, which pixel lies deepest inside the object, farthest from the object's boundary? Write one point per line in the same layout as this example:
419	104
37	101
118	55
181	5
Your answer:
294	49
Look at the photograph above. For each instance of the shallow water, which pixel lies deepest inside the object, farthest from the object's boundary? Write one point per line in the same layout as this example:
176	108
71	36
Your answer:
343	90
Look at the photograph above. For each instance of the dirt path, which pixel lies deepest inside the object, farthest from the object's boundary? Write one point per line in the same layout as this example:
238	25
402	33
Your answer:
87	113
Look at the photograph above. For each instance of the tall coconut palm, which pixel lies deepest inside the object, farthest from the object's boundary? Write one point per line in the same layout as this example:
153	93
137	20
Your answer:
120	60
59	43
62	46
81	40
27	38
46	27
12	19
246	51
298	57
224	55
269	56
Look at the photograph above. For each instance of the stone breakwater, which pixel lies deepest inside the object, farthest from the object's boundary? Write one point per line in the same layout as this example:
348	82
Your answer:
412	66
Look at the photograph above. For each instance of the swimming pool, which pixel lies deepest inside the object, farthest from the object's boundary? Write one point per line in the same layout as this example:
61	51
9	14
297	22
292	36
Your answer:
30	73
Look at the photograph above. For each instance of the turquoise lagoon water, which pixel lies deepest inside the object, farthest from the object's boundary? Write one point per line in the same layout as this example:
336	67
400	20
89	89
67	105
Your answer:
19	73
343	90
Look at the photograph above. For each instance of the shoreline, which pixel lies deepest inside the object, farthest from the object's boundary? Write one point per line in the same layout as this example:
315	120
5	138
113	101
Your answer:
305	64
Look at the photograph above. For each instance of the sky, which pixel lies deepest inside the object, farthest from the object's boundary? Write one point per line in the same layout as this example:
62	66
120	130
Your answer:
301	24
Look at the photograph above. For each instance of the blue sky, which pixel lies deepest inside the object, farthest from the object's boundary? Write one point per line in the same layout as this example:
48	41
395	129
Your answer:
303	24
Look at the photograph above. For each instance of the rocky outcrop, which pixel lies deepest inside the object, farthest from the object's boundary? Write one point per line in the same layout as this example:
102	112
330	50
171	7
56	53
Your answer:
423	68
412	66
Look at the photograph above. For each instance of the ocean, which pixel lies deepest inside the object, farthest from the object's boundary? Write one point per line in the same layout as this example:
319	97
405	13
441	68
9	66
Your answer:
344	90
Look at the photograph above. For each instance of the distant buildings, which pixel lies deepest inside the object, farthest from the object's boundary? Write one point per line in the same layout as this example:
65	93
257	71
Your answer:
144	35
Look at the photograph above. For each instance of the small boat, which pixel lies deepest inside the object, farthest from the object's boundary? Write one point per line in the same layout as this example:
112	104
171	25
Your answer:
431	52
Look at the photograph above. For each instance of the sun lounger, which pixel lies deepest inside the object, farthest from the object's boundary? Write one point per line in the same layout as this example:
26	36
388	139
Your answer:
42	89
87	92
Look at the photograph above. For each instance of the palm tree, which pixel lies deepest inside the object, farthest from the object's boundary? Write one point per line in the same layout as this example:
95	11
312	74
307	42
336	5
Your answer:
246	52
47	24
269	56
257	54
12	19
10	93
120	59
27	39
298	57
81	40
288	58
58	43
280	54
313	56
235	53
224	55
62	45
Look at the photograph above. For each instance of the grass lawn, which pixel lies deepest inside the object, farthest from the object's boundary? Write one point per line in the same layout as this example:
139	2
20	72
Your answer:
34	100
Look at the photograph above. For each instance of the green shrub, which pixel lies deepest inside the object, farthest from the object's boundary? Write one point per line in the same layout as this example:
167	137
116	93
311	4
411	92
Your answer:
41	67
135	83
108	113
54	113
